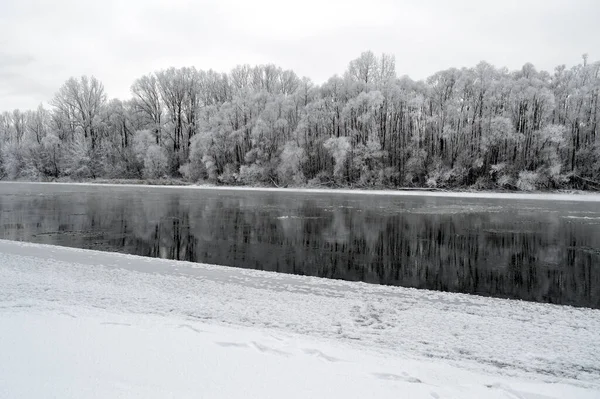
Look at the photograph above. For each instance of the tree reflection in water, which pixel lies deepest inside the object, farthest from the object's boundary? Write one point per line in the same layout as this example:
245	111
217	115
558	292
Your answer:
543	251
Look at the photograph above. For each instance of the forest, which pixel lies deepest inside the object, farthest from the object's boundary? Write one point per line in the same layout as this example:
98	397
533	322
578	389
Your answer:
481	128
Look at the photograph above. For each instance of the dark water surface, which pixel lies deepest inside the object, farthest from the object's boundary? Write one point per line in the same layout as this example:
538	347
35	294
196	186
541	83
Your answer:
546	251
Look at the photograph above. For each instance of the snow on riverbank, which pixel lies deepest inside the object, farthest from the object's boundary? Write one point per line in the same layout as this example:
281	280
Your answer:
77	323
591	197
70	353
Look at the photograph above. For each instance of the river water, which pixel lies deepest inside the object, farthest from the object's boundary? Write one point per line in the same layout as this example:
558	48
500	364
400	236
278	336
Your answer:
537	250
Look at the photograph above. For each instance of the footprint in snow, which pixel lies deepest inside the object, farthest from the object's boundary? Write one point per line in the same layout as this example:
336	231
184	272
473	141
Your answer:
255	345
232	344
395	377
191	328
266	349
321	355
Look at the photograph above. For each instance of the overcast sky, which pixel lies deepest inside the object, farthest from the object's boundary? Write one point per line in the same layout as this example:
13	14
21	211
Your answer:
43	43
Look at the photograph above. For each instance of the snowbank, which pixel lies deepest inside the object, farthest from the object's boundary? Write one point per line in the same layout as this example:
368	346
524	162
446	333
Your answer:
78	323
69	352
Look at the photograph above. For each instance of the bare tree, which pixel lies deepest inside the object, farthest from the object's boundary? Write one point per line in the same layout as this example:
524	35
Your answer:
80	101
147	102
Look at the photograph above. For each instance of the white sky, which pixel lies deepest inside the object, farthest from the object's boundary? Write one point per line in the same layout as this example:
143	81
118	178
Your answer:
43	43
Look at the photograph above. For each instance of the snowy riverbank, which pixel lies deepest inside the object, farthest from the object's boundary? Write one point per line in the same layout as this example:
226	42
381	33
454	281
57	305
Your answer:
549	196
77	323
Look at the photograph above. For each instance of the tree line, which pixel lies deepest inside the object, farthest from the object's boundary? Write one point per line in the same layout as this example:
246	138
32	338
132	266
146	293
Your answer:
481	127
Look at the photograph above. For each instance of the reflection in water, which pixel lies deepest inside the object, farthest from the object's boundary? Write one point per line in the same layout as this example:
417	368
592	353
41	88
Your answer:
533	250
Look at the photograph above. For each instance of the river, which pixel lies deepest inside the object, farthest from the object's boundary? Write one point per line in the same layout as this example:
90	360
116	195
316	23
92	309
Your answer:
529	249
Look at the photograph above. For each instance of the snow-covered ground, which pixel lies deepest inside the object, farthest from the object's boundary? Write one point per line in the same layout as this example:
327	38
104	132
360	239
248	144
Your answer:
586	196
77	323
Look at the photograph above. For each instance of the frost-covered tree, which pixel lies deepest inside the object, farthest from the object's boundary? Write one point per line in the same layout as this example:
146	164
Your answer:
289	171
339	148
481	126
148	104
156	162
80	102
